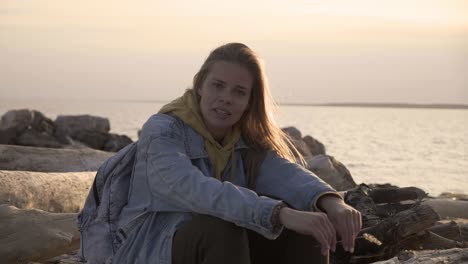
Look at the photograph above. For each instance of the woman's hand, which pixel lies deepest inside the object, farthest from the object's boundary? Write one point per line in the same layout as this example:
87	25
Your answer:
311	223
345	219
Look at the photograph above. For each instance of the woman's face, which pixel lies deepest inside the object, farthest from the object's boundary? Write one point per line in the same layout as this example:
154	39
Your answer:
225	94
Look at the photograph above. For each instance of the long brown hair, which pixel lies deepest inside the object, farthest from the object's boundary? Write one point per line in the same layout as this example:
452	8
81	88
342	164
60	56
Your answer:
258	126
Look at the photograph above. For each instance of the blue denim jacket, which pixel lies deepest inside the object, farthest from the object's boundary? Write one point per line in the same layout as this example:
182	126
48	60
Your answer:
172	179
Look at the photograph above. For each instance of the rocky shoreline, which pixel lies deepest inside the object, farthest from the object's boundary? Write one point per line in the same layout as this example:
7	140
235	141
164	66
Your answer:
47	167
32	128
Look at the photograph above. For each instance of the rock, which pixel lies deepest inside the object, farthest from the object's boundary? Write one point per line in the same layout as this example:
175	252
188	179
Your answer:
51	160
331	171
301	147
71	125
295	137
16	123
8	136
34	138
448	208
315	146
58	192
116	142
70	258
92	138
293	132
35	235
24	118
454	196
17	119
41	123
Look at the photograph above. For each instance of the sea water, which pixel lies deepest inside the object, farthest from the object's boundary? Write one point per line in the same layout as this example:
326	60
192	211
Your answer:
419	147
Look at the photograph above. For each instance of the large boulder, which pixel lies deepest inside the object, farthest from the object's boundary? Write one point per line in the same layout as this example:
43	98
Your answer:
17	119
68	125
56	192
116	142
316	147
292	132
15	123
8	136
295	137
448	208
31	137
35	235
50	159
25	118
92	138
331	171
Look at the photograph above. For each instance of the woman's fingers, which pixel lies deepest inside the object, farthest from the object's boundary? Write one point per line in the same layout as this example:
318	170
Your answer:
322	239
347	222
310	223
349	233
331	234
357	222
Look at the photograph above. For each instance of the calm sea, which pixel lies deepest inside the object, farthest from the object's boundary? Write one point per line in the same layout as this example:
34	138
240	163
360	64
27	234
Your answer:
427	148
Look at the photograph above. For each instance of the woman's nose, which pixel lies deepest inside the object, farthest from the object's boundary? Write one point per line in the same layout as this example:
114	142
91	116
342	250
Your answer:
225	98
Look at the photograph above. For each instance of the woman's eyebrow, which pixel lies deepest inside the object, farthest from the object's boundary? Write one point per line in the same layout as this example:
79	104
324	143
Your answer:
218	80
241	87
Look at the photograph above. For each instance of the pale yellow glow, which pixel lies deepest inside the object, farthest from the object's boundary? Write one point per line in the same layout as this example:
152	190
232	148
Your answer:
164	24
301	32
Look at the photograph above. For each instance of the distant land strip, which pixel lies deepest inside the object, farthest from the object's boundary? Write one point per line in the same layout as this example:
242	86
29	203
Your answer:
385	105
382	105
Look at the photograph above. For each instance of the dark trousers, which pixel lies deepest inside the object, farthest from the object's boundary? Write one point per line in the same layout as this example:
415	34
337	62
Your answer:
207	239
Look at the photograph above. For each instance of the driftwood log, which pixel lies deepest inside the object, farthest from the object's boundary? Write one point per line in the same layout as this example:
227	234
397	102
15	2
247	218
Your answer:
399	219
449	256
50	159
35	235
62	192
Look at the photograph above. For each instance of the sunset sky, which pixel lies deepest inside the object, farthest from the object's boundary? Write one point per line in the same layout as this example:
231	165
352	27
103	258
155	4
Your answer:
402	51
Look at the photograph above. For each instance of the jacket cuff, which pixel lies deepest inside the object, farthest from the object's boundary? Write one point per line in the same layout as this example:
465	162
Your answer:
266	210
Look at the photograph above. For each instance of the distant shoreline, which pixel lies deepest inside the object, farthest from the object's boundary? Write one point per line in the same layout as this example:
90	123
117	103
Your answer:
369	105
384	105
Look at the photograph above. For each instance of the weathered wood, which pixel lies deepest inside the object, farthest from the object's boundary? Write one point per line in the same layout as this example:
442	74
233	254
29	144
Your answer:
50	160
57	192
386	210
451	230
393	195
35	235
452	256
403	224
430	240
359	199
395	229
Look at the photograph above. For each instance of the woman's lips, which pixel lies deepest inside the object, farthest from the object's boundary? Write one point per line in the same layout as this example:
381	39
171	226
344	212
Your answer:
221	112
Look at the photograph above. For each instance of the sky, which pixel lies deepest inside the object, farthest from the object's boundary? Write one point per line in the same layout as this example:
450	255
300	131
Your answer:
397	51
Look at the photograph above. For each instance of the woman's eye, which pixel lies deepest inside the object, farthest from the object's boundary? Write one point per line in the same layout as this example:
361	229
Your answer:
241	92
217	85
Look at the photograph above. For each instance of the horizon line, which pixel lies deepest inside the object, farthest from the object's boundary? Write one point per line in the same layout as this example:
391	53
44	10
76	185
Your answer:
279	103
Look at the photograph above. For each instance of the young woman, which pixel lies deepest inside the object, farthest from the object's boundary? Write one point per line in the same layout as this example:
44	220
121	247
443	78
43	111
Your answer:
215	180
